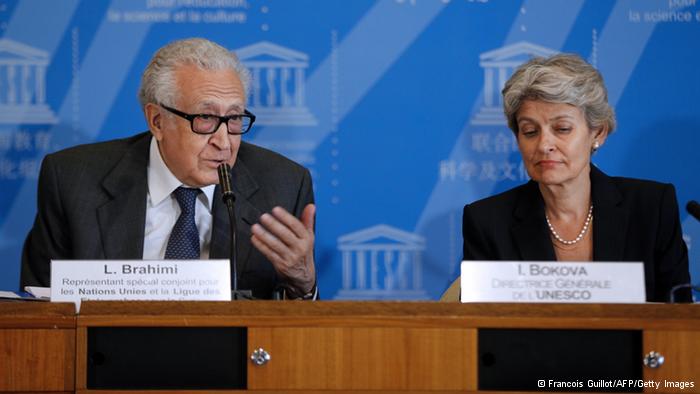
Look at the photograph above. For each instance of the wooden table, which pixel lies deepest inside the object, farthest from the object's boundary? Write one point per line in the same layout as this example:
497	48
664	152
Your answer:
318	347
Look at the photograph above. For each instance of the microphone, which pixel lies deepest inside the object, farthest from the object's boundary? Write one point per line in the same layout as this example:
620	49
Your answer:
229	198
693	208
687	296
225	181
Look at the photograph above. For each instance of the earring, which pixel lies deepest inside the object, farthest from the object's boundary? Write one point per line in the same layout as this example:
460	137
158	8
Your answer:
596	145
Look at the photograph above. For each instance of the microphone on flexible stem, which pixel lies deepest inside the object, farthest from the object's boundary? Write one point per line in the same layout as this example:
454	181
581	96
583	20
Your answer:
229	198
693	208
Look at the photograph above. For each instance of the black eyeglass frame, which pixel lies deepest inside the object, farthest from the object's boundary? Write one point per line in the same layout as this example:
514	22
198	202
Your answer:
222	119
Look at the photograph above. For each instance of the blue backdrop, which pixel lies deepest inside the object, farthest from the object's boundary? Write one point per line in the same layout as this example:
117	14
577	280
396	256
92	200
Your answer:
394	106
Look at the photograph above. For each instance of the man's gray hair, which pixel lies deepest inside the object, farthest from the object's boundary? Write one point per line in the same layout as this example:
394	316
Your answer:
562	78
158	83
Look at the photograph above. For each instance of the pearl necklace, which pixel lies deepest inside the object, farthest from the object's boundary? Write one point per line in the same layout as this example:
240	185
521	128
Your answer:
580	235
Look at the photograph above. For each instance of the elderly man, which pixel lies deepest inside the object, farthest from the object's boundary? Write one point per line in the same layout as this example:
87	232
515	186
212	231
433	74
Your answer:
154	195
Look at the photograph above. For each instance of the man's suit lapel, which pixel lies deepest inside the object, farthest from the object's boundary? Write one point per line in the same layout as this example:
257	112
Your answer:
244	187
610	219
529	229
122	218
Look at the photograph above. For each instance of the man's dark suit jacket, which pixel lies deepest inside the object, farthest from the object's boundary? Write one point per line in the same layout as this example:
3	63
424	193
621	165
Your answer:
633	220
92	205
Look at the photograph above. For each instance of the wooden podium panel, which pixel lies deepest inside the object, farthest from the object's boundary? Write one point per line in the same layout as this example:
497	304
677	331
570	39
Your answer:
364	358
409	346
37	347
681	350
315	345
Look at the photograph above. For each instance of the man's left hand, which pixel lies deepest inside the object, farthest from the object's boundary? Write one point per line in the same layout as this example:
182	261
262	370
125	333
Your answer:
289	245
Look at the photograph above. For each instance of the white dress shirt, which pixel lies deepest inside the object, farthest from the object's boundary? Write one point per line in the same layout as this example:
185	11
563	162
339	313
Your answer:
162	209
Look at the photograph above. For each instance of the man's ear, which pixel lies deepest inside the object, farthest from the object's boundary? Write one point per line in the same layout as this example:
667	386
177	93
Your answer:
154	118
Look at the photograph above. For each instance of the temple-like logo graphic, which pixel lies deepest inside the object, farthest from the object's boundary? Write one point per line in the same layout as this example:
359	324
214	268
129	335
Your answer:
23	84
498	66
277	95
382	262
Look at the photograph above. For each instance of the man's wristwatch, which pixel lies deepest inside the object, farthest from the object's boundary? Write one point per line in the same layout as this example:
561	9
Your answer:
289	294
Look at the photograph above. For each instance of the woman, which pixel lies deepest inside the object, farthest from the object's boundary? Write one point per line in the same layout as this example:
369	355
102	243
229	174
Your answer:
570	210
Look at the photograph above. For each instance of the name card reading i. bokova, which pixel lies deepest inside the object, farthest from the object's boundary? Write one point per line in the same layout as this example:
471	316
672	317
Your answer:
149	280
566	282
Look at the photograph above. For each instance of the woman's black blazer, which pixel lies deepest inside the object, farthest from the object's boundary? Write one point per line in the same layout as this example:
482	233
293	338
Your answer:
633	220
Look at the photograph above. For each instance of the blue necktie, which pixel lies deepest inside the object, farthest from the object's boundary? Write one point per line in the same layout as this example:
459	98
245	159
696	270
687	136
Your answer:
184	239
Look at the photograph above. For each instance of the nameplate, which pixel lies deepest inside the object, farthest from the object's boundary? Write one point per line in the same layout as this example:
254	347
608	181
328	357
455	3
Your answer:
144	280
565	282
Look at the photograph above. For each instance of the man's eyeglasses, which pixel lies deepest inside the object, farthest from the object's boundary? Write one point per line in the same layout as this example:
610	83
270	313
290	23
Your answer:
208	123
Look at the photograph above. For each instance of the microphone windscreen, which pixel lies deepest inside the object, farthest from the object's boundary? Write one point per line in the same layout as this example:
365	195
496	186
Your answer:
224	172
693	208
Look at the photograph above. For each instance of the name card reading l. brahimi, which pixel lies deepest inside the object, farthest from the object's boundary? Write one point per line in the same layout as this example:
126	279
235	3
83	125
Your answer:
143	280
566	282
